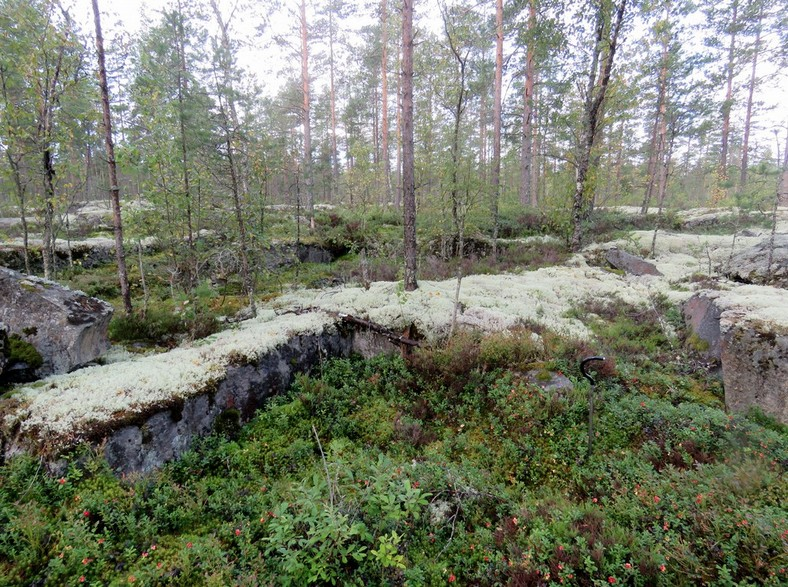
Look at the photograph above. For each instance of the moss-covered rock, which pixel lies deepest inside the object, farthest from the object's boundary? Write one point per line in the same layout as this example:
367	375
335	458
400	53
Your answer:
21	351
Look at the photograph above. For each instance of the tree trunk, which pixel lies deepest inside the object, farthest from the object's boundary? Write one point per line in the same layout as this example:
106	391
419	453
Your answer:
385	100
238	183
48	238
659	129
527	193
46	123
483	136
114	189
537	159
751	91
496	167
375	129
399	191
182	126
308	184
457	215
722	171
781	177
616	189
662	184
333	97
602	58
16	175
408	164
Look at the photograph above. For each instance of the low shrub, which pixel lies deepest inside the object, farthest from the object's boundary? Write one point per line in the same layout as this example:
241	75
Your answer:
448	469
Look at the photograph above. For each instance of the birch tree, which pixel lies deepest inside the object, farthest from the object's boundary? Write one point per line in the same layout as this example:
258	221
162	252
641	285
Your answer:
609	20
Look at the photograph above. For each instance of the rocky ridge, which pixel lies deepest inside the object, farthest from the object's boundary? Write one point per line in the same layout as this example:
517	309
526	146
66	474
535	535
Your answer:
108	399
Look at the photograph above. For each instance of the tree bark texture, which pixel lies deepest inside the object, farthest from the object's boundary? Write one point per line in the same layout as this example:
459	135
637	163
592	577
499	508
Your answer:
45	129
605	45
114	189
384	91
745	157
333	106
722	171
408	164
306	110
659	129
182	84
528	194
14	164
497	100
238	181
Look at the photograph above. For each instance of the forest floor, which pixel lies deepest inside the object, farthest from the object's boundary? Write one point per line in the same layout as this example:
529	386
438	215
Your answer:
453	465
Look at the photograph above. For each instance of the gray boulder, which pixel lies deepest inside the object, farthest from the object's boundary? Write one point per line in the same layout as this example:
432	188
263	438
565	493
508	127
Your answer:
67	327
751	265
630	263
549	380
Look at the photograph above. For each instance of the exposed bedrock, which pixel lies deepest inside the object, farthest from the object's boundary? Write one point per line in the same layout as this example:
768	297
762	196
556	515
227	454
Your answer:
752	350
702	317
755	367
4	347
165	435
751	265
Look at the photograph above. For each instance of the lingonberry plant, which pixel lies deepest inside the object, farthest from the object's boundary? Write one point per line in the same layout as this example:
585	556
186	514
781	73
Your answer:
461	465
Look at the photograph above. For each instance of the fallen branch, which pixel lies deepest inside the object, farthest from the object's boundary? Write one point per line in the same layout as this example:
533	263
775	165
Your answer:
380	329
400	339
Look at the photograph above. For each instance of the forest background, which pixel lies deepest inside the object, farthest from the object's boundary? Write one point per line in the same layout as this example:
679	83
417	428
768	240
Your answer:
225	109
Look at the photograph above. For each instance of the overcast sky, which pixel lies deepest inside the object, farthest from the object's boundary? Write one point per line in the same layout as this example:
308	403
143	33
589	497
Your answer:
266	64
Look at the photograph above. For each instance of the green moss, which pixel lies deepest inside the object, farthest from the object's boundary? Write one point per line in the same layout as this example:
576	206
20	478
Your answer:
544	375
696	343
22	351
28	286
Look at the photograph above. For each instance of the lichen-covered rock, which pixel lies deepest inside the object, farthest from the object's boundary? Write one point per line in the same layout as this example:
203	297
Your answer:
232	370
630	263
147	444
751	265
755	366
66	327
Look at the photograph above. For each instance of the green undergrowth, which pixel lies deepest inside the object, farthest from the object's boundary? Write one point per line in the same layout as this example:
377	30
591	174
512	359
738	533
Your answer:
447	467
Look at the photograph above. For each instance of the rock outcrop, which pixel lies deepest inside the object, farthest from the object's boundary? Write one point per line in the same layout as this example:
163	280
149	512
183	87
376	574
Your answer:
166	434
755	366
746	331
630	263
751	265
147	410
66	327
